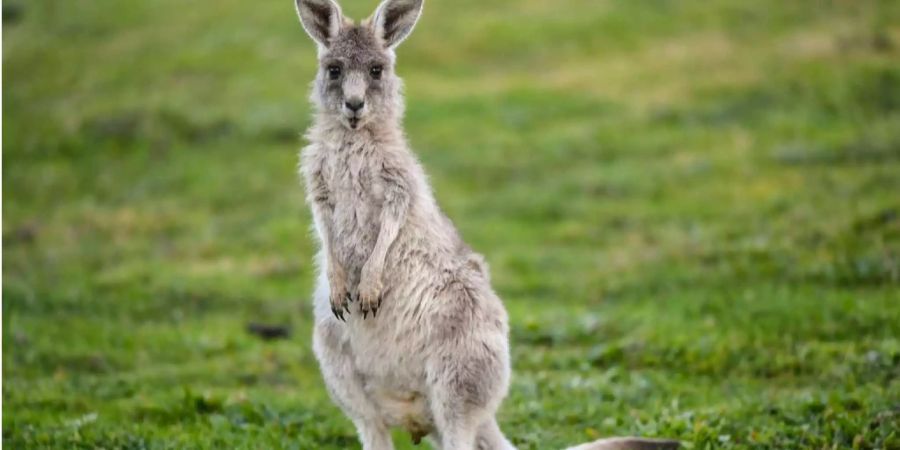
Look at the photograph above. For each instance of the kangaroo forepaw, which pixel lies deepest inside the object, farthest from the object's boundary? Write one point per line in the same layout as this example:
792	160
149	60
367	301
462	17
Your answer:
340	303
370	296
369	305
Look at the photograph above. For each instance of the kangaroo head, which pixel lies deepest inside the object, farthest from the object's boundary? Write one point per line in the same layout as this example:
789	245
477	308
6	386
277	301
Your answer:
356	83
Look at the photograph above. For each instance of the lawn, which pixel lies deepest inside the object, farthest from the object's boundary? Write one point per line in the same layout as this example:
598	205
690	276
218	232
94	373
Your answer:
691	209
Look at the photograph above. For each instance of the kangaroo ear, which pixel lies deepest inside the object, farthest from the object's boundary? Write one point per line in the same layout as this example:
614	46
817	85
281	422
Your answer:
320	18
395	19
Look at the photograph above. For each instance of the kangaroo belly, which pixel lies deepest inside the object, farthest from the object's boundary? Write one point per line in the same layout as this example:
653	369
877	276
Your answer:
405	409
393	373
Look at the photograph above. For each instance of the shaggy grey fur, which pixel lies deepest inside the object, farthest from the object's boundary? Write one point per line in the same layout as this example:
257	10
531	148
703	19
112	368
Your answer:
408	332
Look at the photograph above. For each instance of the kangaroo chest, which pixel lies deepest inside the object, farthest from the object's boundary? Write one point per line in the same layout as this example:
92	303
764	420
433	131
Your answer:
351	176
356	195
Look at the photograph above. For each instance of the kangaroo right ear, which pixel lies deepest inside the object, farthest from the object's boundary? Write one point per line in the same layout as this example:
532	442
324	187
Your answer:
320	18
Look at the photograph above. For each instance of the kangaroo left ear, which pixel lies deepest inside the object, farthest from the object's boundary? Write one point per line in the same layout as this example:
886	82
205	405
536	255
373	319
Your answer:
395	19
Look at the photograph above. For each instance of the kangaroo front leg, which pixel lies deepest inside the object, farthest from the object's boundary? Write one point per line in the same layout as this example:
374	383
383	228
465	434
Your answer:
322	203
338	291
393	215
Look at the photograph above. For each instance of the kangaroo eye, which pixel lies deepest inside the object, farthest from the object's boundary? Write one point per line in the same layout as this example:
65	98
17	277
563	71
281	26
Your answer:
375	71
334	72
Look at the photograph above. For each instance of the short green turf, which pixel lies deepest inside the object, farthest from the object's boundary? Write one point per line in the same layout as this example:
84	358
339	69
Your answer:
691	209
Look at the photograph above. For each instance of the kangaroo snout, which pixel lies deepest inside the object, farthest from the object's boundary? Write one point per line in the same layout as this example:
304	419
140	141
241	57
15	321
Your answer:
355	104
353	108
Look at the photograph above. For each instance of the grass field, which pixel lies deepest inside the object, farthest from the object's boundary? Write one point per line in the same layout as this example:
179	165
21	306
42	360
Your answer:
691	209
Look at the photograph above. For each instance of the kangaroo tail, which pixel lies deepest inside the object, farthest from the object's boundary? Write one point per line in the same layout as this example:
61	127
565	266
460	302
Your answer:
629	443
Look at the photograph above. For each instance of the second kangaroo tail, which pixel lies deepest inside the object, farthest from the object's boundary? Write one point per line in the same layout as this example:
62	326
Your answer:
629	443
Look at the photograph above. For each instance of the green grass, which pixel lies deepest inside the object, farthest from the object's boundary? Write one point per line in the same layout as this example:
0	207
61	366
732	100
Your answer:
690	208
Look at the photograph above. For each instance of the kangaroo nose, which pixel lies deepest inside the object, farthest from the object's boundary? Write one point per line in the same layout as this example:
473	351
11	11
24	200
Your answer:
354	104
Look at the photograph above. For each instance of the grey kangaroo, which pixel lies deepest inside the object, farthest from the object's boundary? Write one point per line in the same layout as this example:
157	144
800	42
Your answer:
408	331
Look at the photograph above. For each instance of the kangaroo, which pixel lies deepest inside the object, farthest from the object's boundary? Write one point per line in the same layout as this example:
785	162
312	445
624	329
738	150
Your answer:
408	331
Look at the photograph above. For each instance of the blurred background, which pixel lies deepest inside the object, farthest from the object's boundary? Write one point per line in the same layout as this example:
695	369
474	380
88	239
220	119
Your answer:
690	208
